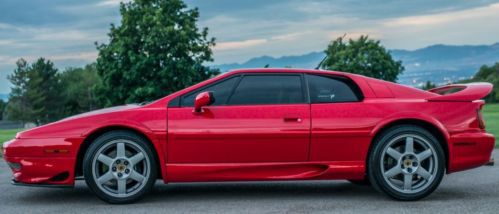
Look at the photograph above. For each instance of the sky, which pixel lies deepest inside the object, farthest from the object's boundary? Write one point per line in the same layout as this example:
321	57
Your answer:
65	31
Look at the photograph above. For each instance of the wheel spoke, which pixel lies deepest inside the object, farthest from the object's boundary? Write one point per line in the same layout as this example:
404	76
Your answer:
407	181
409	145
423	173
105	178
137	158
424	155
120	150
121	186
105	159
393	171
137	176
393	153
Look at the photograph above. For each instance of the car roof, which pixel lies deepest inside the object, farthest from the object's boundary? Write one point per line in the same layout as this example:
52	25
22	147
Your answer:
370	87
288	70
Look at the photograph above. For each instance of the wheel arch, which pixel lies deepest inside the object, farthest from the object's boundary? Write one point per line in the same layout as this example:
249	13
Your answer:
435	128
94	134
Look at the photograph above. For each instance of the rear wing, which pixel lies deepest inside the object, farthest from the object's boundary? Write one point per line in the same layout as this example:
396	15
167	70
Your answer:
461	92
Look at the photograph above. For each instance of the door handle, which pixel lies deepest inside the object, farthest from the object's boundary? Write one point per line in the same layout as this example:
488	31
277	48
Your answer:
292	119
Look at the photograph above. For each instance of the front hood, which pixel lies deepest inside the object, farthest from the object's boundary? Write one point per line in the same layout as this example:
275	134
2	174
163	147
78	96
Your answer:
74	125
103	111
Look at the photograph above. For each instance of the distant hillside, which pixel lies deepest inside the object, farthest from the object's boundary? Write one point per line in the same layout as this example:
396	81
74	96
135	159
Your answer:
4	97
309	60
440	64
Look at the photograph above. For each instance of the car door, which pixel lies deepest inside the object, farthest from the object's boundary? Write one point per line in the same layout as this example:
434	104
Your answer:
341	123
255	118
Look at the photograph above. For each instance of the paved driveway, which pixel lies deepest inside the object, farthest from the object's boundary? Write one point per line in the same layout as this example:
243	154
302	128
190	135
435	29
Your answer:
474	191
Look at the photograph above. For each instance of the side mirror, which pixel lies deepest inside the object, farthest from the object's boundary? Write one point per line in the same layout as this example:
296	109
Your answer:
203	99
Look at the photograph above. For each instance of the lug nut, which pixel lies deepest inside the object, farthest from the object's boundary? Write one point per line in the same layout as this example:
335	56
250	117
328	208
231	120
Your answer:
414	164
127	171
126	162
409	170
118	161
120	175
114	169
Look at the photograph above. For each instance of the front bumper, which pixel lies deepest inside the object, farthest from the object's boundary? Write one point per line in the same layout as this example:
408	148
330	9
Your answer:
45	162
470	150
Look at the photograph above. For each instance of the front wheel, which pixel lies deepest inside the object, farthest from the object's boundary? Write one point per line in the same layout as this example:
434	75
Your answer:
119	167
406	162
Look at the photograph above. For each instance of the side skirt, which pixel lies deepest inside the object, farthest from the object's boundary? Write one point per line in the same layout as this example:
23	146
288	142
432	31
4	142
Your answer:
264	171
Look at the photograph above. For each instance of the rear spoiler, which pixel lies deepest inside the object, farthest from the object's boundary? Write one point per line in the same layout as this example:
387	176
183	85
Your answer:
461	92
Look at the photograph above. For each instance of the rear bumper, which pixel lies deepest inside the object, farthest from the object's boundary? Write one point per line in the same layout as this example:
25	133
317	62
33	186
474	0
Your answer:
469	150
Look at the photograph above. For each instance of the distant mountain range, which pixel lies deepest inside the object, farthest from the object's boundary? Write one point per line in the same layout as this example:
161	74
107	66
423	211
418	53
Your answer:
440	64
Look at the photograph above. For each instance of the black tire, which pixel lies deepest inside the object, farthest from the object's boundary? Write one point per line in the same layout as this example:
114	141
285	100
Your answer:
386	185
364	182
116	136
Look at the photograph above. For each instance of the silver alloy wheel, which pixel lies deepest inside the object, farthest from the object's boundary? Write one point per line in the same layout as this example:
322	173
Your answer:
409	163
121	168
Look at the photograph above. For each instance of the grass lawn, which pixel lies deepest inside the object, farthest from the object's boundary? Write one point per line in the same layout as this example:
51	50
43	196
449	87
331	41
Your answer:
5	135
491	115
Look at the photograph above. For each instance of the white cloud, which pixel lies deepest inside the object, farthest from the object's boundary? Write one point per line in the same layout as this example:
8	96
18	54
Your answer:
111	3
65	35
288	36
446	17
239	44
88	56
7	42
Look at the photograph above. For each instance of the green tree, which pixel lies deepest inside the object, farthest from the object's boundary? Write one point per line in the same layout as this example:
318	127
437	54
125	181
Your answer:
2	108
428	85
35	96
18	107
362	56
79	89
45	81
488	74
157	49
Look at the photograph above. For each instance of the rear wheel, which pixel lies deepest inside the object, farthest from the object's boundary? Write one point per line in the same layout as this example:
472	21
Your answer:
119	167
406	162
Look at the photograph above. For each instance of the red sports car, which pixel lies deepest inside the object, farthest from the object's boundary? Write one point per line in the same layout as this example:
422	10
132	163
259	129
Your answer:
261	125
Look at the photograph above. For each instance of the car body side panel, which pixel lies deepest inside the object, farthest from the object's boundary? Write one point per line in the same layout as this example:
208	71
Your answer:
344	131
239	134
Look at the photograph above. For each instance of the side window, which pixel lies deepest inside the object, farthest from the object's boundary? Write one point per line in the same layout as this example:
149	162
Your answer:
324	89
268	89
221	91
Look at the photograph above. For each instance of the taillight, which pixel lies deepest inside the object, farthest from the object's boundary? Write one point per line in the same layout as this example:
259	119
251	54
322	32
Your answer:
479	115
